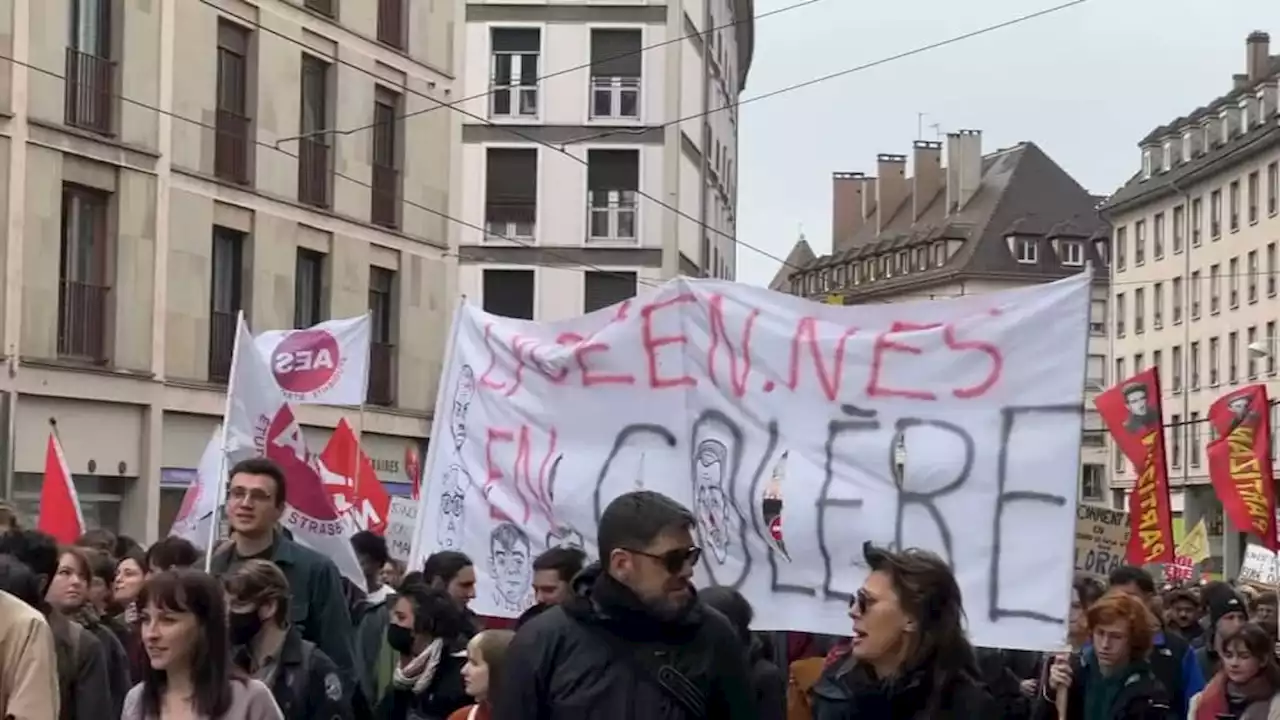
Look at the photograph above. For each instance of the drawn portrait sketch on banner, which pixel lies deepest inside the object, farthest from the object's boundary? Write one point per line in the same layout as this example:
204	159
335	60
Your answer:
949	425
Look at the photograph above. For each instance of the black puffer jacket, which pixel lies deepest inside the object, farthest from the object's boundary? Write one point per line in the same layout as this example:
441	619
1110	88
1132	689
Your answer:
849	691
768	682
599	656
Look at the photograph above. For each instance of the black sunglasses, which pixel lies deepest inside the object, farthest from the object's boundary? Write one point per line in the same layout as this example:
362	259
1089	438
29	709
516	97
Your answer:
861	600
674	560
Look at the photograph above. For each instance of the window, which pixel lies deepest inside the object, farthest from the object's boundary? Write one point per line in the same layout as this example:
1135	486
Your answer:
1252	190
1233	282
613	179
1157	305
1196	220
1194	288
1213	361
1270	341
509	293
1252	261
513	82
1072	253
1118	457
391	23
384	196
616	61
1122	240
314	168
1194	360
1179	232
1157	362
231	124
604	289
1215	288
1271	269
1175	293
1193	433
1139	362
324	7
1176	371
1092	482
1251	358
1139	310
225	300
83	292
1157	240
1215	214
1175	440
1120	314
1234	199
90	74
1233	357
382	348
511	193
1098	317
1096	372
308	289
1121	376
1273	187
1140	242
1026	249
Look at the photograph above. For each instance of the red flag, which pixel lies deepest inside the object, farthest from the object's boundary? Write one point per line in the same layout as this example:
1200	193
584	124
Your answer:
1240	461
60	514
413	466
361	495
1131	410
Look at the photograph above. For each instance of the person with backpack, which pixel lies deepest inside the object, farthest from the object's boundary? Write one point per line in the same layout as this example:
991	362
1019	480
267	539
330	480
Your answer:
305	683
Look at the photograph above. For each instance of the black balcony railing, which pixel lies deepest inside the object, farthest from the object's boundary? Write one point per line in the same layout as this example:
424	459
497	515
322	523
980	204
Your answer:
313	172
386	194
82	320
89	88
382	360
391	23
231	147
222	341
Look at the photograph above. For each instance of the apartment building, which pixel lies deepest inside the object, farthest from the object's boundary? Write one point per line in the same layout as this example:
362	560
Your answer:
170	164
1195	272
599	149
977	223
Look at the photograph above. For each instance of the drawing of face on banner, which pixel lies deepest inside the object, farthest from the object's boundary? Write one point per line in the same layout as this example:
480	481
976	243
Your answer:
453	507
710	465
510	565
464	390
565	537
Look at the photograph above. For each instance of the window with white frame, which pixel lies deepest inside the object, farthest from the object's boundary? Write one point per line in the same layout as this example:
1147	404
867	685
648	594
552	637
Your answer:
613	184
513	77
616	62
1025	250
1072	252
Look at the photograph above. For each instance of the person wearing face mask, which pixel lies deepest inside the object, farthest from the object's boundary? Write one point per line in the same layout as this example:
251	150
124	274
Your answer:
1227	612
1248	687
425	632
486	657
305	683
634	640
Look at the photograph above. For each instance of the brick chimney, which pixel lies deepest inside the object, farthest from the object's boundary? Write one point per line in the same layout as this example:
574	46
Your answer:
964	167
926	167
891	187
1257	56
847	189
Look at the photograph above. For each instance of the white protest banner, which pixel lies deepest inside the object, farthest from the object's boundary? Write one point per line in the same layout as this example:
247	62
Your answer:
324	364
1259	566
1102	536
400	524
701	388
200	502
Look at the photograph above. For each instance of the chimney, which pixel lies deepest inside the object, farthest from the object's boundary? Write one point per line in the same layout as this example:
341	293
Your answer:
891	187
926	167
964	167
1257	56
847	189
1239	81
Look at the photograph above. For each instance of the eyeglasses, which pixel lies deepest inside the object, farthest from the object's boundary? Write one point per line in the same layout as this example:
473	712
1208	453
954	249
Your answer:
862	601
251	495
674	560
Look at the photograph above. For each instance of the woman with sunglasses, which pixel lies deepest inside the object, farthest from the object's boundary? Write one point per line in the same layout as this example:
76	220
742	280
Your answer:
909	658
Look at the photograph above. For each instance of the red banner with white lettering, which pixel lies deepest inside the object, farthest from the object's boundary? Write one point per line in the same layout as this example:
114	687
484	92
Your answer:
1240	461
1131	410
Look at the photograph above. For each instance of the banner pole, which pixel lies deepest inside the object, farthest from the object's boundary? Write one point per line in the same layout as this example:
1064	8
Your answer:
220	482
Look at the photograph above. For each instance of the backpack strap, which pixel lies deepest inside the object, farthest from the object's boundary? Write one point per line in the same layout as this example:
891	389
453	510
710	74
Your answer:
656	669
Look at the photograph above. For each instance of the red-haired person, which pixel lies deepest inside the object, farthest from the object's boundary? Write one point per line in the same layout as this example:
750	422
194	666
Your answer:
1112	679
1248	685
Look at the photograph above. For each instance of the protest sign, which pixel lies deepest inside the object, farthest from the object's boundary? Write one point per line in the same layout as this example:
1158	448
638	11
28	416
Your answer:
1259	566
700	389
1102	536
400	523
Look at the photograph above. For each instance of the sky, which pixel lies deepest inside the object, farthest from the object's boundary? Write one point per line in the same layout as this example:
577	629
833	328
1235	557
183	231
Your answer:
1085	84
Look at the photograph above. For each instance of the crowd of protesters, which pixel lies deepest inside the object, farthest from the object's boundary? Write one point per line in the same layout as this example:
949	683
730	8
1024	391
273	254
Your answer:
105	628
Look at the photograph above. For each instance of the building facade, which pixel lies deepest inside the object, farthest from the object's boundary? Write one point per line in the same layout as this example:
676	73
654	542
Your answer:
1195	274
599	149
976	223
170	164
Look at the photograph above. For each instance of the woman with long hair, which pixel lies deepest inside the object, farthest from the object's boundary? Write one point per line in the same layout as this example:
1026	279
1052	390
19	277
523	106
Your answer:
909	658
69	594
481	676
1248	686
190	673
131	573
424	631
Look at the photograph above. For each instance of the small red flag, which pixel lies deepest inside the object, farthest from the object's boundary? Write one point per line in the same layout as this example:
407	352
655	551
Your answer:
60	514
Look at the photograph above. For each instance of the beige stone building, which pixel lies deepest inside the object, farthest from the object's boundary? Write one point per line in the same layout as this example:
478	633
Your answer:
168	165
1195	273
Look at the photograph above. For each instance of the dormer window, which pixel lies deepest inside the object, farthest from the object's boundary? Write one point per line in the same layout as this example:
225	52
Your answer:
1072	253
1167	164
1226	127
1146	164
1025	250
1187	145
1244	116
1103	250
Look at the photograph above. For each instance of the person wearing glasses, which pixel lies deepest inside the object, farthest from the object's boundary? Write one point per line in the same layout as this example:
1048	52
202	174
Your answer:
909	658
633	640
255	503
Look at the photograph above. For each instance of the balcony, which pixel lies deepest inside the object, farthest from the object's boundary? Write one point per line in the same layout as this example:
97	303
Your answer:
391	23
82	315
327	8
89	87
231	147
222	340
313	172
615	98
385	196
381	374
613	215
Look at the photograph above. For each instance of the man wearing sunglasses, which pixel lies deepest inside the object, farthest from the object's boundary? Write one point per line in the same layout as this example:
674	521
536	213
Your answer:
632	640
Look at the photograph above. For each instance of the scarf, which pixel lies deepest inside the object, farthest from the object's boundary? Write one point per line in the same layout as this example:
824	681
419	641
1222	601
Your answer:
1220	695
420	671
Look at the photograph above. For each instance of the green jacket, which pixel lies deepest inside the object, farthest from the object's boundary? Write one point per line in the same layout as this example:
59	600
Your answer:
316	603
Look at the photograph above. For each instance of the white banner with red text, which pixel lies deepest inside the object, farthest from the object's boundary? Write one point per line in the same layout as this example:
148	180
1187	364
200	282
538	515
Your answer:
325	364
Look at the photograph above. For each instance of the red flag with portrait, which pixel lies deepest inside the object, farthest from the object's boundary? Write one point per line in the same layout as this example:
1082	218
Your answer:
1131	410
1240	461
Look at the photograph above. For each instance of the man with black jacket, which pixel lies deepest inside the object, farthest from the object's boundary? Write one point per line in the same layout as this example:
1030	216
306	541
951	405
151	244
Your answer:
634	641
1172	660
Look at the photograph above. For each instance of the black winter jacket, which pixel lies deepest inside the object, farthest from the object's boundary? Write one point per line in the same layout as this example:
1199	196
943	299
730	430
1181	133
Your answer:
848	691
599	657
768	682
444	695
1143	697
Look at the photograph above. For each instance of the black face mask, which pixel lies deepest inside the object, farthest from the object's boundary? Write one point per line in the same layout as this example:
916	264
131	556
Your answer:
400	638
243	627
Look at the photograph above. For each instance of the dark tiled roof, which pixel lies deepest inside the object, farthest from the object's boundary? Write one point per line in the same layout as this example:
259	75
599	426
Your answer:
1206	110
801	255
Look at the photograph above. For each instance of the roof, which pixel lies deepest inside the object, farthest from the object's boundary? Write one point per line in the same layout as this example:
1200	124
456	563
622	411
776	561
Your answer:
801	255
